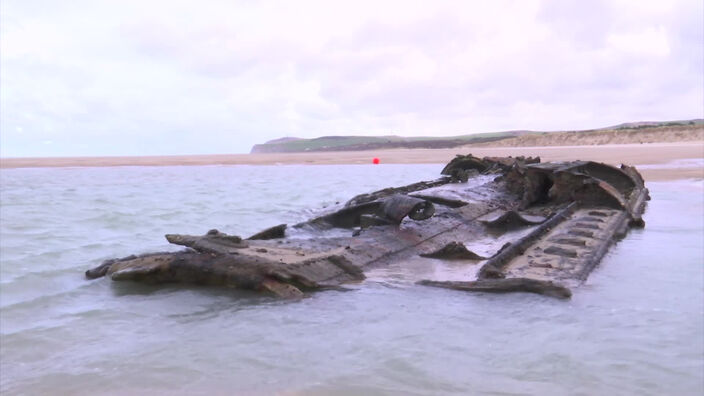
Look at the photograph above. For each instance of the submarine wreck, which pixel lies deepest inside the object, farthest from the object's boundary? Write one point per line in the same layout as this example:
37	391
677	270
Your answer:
542	227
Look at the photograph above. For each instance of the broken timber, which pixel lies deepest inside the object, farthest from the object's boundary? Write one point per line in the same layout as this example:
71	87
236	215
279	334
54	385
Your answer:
550	223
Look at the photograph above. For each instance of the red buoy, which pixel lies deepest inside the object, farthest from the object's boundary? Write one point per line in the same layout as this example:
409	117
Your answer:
375	161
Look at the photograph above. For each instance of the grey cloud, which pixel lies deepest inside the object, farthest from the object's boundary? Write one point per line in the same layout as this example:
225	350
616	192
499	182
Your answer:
584	23
162	82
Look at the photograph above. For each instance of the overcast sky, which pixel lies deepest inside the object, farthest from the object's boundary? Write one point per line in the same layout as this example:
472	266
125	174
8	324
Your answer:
175	77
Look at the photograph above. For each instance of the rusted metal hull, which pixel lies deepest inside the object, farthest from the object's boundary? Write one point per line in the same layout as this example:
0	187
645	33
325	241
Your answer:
543	227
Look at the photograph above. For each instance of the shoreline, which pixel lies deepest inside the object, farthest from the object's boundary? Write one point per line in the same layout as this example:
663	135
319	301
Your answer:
614	154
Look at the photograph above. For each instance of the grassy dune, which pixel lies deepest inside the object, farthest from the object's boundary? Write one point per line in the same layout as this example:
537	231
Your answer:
634	132
655	134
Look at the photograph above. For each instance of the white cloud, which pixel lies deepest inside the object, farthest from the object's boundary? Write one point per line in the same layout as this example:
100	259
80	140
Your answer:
158	77
650	41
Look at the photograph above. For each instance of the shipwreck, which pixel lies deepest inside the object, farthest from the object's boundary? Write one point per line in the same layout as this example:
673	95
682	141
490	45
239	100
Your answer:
541	227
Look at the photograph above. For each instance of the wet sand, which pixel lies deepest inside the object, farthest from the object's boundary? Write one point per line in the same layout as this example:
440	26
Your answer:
632	154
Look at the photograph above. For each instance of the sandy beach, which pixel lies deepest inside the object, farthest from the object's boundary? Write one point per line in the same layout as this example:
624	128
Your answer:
650	154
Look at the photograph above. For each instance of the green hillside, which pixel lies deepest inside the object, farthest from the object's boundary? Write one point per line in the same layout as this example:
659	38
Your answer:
347	143
354	143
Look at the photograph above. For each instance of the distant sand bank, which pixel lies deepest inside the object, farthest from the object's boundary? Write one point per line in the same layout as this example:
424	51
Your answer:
607	136
632	154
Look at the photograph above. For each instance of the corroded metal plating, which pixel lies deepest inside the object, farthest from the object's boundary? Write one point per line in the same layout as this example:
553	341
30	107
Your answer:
542	228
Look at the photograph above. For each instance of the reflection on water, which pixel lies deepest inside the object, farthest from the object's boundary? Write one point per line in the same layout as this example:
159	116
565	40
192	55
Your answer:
635	328
675	164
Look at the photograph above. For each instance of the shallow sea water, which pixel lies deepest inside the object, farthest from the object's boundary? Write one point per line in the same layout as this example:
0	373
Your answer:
635	327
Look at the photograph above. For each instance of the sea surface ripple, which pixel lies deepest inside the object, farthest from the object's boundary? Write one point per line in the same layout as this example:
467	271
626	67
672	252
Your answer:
636	326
